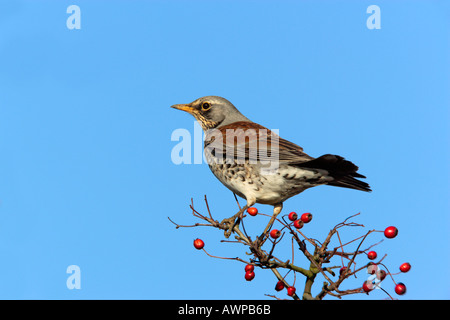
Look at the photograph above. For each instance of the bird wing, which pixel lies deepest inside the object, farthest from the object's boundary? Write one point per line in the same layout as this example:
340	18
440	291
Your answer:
249	141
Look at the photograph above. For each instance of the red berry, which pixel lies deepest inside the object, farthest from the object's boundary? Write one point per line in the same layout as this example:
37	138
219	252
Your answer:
275	233
293	216
298	224
291	291
279	286
405	267
400	288
199	244
372	255
367	286
390	232
249	268
252	211
306	217
249	275
342	270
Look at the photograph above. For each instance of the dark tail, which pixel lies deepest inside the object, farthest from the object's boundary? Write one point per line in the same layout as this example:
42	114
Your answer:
343	171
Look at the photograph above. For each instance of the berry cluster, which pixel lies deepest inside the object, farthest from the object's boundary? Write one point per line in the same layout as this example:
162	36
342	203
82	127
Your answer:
249	272
280	286
298	223
400	288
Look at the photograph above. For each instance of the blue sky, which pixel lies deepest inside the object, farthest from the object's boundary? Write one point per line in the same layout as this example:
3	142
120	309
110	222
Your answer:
86	176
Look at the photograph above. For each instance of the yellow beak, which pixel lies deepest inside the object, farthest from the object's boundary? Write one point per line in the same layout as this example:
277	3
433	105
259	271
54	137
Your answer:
184	107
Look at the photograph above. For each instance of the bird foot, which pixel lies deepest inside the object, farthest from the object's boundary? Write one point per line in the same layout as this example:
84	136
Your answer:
231	222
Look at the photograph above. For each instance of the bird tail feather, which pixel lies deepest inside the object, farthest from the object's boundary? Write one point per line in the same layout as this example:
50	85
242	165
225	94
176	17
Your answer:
343	171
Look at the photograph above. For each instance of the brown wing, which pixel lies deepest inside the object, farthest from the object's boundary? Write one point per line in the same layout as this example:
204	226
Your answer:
250	141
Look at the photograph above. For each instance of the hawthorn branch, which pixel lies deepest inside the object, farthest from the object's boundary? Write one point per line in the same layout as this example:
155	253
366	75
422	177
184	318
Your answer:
320	255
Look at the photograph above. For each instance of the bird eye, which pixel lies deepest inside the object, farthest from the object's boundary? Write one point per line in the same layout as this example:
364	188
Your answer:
206	106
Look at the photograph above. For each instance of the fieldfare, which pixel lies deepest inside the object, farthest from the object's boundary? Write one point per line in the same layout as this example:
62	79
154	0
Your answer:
258	165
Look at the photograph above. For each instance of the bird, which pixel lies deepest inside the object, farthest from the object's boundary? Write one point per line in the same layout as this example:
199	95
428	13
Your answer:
258	165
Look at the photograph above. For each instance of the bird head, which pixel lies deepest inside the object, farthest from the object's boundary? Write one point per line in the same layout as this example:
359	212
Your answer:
212	112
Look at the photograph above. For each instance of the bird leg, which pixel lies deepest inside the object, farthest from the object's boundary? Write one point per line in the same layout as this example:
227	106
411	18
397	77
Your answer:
276	211
233	221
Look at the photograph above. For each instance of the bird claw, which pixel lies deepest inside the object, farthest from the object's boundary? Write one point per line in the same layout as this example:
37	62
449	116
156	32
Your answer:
229	223
232	222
